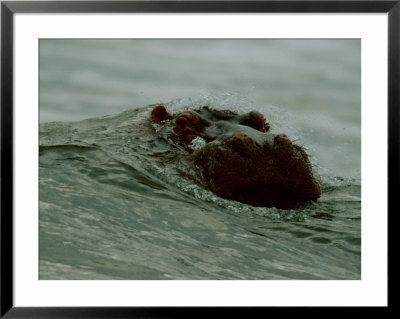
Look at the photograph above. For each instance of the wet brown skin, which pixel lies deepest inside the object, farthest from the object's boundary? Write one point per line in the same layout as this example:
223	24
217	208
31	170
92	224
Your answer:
242	160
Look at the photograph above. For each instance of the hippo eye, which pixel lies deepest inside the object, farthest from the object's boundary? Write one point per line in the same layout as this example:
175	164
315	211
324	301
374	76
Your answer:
255	120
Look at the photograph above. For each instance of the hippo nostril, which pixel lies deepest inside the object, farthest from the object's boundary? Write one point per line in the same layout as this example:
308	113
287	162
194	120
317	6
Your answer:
243	144
281	139
283	144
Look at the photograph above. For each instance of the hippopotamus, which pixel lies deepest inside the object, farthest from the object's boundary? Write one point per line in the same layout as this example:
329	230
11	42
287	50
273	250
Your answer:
241	160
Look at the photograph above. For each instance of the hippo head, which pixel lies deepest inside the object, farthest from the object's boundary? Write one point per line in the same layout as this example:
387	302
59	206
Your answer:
242	161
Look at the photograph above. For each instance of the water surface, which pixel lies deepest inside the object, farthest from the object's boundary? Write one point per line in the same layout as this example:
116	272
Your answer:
113	202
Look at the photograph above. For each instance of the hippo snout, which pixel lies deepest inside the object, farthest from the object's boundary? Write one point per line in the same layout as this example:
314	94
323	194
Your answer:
241	160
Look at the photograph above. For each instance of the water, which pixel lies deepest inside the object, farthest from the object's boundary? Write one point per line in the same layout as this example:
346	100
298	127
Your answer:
116	203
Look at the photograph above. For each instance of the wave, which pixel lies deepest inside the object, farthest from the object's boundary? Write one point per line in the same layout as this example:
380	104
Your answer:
128	140
114	195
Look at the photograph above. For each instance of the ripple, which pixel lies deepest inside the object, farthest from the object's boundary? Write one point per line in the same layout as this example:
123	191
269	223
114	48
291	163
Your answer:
321	240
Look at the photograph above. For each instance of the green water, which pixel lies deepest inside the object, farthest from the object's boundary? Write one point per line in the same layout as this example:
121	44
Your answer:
117	203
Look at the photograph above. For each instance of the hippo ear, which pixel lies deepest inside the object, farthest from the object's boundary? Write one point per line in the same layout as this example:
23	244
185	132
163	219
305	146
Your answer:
160	114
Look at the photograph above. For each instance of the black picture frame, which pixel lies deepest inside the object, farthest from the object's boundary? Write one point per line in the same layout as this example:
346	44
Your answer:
9	8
